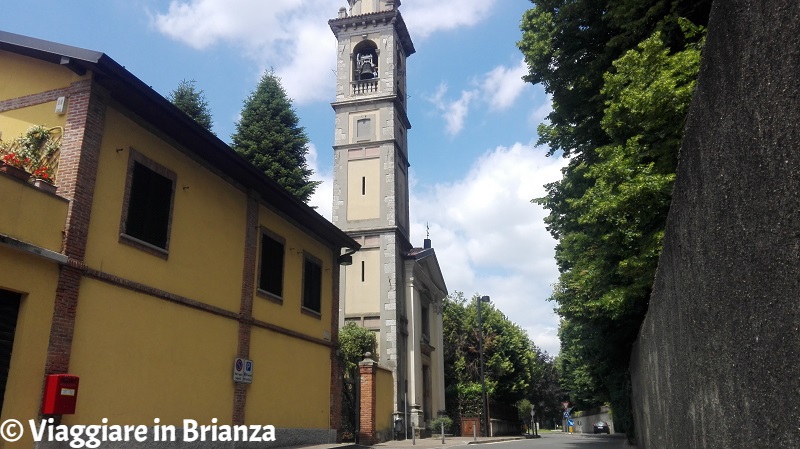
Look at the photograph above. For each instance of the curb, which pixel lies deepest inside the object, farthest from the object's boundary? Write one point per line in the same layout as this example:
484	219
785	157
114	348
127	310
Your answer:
496	440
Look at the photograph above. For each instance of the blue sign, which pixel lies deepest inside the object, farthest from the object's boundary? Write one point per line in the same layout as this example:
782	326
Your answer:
570	422
566	415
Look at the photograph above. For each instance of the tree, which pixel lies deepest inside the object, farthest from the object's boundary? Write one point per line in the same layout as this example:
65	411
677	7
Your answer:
269	136
621	73
193	102
514	368
354	342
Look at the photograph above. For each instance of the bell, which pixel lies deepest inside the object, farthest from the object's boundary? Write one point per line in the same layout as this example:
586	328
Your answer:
367	72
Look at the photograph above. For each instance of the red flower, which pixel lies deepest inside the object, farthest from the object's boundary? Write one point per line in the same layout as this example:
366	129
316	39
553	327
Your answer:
14	160
43	173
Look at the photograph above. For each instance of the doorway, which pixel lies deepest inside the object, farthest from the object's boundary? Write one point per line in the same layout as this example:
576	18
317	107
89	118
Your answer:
9	309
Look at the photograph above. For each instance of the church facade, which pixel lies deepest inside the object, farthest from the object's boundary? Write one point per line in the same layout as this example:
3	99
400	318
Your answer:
392	288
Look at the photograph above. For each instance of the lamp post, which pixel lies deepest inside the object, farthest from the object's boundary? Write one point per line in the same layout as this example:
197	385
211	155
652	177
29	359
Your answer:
485	424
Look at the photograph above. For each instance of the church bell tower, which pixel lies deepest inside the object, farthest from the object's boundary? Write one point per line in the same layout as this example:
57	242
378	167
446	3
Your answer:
370	186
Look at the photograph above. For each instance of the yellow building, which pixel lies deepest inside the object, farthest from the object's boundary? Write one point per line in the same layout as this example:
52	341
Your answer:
160	259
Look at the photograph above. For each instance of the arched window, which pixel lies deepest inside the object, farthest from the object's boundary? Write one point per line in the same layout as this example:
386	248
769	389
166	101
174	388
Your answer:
365	61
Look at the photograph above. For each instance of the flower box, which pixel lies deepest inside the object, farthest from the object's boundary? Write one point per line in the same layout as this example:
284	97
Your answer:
15	172
43	185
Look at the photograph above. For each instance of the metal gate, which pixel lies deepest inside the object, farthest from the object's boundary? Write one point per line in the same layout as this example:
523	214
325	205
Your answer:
9	308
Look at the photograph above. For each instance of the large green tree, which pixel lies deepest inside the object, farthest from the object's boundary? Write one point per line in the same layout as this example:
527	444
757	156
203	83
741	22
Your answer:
193	102
269	135
621	74
514	368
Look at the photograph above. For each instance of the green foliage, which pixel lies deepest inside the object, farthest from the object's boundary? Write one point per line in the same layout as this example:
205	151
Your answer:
514	368
36	151
193	102
621	74
354	342
435	425
270	137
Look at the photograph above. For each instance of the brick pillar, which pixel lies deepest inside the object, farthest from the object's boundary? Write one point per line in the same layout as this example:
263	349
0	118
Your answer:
246	307
366	371
77	173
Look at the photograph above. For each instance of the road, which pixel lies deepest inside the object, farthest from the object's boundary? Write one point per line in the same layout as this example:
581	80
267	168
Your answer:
562	441
549	440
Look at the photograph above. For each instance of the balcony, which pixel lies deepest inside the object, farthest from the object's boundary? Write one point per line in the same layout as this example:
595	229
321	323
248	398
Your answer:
31	214
365	87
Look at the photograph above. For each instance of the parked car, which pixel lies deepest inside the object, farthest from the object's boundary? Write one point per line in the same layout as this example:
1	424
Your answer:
601	427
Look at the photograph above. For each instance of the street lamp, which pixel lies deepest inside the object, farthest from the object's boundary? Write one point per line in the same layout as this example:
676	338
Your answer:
480	357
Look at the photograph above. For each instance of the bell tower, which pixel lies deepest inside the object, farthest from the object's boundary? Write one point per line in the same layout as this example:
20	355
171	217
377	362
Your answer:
370	186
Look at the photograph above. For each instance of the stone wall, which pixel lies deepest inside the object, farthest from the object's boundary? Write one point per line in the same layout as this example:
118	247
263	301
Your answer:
716	363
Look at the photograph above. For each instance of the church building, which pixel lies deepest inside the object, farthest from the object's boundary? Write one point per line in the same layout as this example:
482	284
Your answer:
392	287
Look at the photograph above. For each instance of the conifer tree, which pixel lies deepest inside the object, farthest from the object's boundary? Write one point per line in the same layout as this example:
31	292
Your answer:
269	136
193	102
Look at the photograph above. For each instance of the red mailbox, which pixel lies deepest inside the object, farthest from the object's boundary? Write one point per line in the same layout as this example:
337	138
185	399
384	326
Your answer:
60	394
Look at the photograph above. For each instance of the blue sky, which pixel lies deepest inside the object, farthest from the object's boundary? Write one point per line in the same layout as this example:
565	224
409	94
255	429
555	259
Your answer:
474	166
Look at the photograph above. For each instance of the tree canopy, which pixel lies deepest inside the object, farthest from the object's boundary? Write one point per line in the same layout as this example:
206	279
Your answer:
193	102
621	74
514	368
270	137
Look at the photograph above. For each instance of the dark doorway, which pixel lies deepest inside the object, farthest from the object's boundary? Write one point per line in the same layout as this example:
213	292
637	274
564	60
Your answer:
9	309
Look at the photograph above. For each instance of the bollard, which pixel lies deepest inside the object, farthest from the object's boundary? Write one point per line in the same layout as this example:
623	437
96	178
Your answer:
442	432
474	433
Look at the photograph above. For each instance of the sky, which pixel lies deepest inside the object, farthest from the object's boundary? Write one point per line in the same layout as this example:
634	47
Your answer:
474	163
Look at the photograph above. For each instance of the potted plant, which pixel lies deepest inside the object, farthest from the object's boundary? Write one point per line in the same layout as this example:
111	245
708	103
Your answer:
14	165
33	153
43	179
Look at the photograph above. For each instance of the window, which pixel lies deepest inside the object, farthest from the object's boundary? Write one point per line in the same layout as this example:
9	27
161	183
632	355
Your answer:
426	324
271	272
312	284
364	130
147	214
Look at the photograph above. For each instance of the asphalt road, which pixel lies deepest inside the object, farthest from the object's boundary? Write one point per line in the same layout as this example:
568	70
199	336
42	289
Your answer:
557	440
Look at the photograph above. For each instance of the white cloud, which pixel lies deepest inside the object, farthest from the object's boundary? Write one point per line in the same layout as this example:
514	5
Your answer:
454	112
426	17
284	34
490	238
499	89
503	85
322	198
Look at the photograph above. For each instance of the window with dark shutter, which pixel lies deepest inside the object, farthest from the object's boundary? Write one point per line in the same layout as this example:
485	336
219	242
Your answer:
271	272
312	285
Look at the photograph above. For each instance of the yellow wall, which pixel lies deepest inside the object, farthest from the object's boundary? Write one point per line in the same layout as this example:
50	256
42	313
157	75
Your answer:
141	358
384	400
363	297
366	206
208	222
30	215
36	279
288	313
39	77
305	402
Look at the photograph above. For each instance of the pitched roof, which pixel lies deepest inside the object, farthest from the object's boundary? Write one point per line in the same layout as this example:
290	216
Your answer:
141	99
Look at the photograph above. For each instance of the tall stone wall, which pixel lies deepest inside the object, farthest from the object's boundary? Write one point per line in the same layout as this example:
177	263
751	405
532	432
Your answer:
717	363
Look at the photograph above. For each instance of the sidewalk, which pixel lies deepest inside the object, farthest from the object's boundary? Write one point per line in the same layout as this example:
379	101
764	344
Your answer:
436	443
420	443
